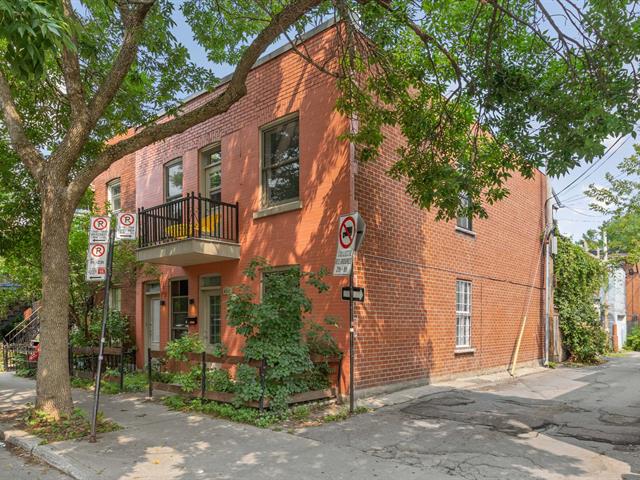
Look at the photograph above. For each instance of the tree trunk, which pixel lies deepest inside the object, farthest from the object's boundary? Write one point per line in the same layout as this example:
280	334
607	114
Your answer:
53	386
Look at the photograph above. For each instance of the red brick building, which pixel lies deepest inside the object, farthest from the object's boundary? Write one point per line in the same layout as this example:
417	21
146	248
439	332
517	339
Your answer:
273	178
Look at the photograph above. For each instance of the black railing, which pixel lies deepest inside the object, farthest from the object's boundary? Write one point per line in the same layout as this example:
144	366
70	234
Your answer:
193	216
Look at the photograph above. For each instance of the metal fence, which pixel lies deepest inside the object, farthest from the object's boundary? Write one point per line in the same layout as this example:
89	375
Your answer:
193	216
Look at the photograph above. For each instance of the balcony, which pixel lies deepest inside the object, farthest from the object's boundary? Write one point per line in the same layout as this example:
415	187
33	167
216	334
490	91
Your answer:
188	231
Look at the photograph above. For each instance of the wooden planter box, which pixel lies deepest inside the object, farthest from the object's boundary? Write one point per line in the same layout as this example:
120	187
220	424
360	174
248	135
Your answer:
226	397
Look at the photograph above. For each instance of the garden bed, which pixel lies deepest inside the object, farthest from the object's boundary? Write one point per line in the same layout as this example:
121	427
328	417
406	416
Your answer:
225	397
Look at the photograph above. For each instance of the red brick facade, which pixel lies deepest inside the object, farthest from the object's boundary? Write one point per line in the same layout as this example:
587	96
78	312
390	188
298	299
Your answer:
408	263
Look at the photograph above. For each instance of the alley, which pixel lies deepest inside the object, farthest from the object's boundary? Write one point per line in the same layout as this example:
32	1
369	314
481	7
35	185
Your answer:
558	424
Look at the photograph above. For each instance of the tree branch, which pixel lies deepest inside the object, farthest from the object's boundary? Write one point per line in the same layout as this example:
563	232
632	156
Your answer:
234	91
71	71
22	145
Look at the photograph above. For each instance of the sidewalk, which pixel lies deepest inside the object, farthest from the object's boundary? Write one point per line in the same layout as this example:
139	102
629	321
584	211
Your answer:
156	443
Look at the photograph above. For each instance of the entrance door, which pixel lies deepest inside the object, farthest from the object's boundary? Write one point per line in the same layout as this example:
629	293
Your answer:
153	322
212	173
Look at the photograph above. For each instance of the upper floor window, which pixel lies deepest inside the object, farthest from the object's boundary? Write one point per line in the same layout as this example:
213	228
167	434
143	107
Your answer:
211	164
173	180
463	313
466	220
281	162
113	194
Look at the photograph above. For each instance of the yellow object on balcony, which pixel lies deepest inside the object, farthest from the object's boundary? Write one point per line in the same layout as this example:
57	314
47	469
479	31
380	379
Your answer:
209	226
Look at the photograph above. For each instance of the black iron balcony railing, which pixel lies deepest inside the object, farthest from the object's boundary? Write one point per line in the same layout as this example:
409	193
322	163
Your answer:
193	216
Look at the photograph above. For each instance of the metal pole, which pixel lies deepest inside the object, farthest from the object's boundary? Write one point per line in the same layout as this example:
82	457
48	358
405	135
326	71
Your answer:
547	302
351	340
105	316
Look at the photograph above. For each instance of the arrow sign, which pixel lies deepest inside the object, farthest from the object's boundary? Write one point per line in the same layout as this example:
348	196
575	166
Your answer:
358	294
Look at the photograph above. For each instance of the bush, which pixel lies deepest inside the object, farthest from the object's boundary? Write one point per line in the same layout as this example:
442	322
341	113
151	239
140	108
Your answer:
117	332
579	278
273	330
179	348
633	340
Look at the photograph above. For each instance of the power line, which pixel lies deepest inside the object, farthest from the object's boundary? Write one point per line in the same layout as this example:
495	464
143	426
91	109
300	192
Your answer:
601	161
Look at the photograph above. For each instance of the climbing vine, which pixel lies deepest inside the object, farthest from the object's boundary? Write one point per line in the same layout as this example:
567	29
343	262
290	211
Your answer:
579	278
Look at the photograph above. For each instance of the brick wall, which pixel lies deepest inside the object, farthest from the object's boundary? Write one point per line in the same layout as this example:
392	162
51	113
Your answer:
409	264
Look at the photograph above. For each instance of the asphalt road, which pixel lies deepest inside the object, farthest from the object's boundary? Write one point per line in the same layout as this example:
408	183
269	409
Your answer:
567	423
15	465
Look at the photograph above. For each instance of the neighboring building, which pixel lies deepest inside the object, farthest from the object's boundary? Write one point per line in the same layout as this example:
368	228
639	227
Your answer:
616	306
442	298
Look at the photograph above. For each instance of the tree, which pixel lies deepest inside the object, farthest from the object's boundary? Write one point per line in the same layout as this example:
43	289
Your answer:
621	199
479	88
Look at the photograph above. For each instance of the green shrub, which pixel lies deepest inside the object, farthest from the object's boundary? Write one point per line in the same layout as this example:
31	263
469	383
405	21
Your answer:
218	380
189	381
579	278
25	368
179	348
117	332
633	340
273	330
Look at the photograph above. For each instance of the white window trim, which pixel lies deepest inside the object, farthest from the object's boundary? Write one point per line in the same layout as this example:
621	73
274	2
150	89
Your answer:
201	166
206	327
165	179
110	185
264	202
463	331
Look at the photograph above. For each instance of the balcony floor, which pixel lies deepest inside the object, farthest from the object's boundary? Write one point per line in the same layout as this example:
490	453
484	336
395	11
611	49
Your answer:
190	251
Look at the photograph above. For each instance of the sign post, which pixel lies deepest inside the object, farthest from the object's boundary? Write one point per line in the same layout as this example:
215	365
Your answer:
350	235
99	267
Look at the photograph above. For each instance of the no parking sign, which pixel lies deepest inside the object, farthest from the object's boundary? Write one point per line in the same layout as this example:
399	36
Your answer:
126	226
351	229
97	262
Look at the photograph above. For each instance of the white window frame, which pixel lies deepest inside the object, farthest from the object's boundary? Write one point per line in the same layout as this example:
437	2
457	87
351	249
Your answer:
115	299
204	166
465	222
165	180
204	290
110	195
463	313
264	169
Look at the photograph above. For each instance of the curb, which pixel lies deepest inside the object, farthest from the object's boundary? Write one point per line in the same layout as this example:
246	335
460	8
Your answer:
31	444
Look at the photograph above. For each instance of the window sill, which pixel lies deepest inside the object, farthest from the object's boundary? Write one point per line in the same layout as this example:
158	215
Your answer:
276	209
464	350
471	233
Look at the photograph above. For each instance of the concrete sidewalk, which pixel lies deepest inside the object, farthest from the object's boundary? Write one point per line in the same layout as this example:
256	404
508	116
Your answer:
160	444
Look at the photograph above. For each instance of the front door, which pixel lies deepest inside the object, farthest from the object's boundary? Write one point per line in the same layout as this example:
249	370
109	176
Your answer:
153	322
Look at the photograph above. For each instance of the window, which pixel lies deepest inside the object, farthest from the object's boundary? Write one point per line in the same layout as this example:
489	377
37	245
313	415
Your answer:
152	288
179	307
173	180
211	162
211	297
113	194
281	163
463	313
464	221
115	299
279	274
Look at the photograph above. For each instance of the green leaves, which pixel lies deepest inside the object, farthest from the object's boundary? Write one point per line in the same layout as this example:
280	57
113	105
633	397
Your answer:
579	278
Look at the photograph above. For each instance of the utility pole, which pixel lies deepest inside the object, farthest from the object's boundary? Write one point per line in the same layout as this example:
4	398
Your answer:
606	286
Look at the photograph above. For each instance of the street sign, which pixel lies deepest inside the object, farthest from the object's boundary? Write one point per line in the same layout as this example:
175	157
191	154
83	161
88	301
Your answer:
99	229
126	226
358	294
350	234
97	262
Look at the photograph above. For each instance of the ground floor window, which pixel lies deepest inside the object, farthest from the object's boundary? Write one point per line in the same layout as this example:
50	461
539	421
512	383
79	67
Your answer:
115	299
463	313
179	307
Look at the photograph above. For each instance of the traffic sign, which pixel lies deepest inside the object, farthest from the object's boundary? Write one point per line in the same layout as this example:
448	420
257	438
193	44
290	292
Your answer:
97	262
99	229
126	226
358	294
351	229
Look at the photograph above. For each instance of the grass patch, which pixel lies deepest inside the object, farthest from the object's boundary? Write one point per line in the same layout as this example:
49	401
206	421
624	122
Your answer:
76	425
623	353
133	382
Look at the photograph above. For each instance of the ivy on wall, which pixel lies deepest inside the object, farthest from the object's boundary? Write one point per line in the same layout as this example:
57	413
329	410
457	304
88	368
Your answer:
579	277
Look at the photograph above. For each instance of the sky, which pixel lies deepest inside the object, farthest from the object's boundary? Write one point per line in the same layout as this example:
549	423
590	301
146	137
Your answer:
574	219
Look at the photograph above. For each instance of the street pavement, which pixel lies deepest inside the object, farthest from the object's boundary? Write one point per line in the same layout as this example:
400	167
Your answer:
559	424
16	465
567	423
